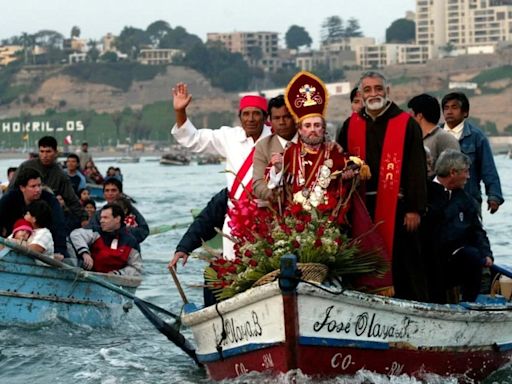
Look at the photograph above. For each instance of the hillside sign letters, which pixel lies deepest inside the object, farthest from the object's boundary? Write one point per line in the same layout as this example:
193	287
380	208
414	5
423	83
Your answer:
41	126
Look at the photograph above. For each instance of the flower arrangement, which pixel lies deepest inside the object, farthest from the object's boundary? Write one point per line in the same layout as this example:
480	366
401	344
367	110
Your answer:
263	236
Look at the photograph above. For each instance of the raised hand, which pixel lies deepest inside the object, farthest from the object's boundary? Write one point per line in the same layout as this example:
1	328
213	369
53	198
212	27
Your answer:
180	97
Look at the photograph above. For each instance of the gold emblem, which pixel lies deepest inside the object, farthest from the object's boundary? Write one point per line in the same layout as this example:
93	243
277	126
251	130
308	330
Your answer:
308	91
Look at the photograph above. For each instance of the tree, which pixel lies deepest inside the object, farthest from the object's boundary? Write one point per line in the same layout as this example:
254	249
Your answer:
51	41
28	45
297	37
353	28
401	31
179	38
131	40
332	29
75	31
157	30
109	57
448	48
93	53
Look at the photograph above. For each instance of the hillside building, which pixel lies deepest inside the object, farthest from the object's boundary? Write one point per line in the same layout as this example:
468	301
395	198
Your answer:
259	49
462	26
9	53
158	56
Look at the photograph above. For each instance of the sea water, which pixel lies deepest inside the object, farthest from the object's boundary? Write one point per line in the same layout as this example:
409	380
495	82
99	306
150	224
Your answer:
135	352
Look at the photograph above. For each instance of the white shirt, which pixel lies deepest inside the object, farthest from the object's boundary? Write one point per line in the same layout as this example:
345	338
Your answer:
43	238
229	142
455	131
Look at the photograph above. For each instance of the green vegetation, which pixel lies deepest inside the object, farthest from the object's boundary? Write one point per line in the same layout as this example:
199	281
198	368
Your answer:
493	74
9	93
120	75
401	31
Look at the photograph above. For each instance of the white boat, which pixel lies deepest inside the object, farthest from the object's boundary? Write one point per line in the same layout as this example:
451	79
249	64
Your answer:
329	332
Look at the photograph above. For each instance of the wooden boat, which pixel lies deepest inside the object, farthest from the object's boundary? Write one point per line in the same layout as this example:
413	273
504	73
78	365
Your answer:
32	294
209	159
128	159
338	332
174	159
95	191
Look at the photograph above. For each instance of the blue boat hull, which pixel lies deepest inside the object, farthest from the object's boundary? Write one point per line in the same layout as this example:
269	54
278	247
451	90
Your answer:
32	294
96	191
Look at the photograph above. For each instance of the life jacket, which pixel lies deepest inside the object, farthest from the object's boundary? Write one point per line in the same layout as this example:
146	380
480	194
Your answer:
106	258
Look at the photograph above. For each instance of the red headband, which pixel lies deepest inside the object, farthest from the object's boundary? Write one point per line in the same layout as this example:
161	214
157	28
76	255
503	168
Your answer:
253	101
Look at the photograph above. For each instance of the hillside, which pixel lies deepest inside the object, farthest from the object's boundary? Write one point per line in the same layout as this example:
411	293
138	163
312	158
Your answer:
64	93
81	95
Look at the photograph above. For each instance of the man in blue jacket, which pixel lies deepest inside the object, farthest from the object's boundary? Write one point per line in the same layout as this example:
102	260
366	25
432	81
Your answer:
475	145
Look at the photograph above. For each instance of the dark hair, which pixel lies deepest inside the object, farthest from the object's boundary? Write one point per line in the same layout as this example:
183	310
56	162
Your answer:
42	212
11	169
427	105
113	181
353	94
74	156
275	102
89	201
124	203
117	211
81	190
85	143
24	175
460	97
47	141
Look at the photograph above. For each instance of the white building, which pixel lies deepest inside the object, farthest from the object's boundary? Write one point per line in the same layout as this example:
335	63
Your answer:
459	25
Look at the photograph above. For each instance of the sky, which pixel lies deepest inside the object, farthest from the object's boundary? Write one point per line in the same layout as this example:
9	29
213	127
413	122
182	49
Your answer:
97	17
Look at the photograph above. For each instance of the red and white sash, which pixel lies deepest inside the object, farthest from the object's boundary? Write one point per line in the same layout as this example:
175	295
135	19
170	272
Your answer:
239	190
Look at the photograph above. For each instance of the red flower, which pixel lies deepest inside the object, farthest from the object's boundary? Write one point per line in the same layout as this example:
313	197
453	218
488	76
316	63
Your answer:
299	227
320	231
268	252
253	263
248	253
296	208
318	243
295	244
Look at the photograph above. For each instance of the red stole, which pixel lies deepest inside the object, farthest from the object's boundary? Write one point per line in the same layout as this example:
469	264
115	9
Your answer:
389	176
240	176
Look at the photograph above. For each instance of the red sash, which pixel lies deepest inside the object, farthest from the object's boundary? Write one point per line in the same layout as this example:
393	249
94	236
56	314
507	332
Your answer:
239	178
389	173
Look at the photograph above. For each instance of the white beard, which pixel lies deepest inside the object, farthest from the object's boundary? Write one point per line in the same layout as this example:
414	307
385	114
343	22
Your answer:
376	105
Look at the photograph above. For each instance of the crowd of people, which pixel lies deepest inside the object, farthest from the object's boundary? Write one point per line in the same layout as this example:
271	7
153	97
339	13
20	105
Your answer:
48	208
423	188
421	185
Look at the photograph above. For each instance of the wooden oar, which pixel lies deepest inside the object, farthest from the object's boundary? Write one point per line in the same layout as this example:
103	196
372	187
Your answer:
178	285
503	269
166	329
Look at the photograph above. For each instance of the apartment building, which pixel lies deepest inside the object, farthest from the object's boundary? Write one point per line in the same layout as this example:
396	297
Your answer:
462	24
258	48
379	56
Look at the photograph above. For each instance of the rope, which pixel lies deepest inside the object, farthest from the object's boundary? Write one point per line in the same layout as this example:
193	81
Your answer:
223	334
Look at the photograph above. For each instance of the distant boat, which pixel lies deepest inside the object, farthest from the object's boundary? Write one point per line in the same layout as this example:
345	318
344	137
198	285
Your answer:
128	159
174	159
32	294
205	160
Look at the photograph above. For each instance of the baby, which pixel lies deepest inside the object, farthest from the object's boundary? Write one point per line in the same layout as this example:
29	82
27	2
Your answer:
22	230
